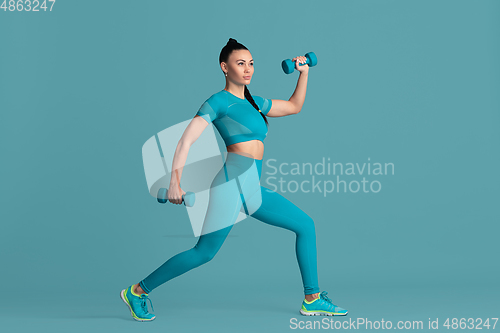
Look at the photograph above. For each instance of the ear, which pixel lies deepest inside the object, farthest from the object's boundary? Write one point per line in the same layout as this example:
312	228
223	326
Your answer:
223	66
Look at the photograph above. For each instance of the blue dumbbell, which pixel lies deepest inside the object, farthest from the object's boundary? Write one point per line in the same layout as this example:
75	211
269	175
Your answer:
187	198
289	66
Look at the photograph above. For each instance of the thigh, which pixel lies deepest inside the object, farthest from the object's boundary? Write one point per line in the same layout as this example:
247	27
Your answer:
224	203
279	211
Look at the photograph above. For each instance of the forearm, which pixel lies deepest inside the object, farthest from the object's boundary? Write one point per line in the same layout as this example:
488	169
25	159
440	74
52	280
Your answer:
299	95
180	157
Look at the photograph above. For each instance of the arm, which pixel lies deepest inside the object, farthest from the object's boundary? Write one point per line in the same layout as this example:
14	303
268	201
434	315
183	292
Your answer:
190	135
282	108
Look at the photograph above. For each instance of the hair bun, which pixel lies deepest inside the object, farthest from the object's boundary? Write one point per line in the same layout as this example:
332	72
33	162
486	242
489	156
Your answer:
232	40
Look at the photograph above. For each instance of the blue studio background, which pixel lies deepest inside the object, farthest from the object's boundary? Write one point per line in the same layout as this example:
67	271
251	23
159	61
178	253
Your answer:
412	83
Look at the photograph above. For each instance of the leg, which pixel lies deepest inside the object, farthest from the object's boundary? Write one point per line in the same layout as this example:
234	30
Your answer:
206	248
204	251
223	208
278	211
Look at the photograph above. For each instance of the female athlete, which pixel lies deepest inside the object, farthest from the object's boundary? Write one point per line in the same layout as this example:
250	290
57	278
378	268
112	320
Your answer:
241	120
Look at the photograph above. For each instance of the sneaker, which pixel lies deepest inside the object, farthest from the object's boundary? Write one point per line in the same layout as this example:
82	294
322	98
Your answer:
321	306
137	304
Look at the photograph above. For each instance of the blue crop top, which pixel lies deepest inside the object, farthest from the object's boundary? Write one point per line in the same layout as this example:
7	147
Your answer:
235	118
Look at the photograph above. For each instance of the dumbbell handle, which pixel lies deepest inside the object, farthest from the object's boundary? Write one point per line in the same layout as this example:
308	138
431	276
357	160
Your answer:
305	63
188	198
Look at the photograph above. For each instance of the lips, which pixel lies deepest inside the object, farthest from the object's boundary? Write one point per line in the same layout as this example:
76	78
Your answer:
246	77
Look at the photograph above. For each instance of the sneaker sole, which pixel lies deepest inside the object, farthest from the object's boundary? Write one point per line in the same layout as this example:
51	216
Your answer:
122	296
316	313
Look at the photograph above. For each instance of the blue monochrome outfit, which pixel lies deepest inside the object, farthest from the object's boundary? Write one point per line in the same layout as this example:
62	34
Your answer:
238	121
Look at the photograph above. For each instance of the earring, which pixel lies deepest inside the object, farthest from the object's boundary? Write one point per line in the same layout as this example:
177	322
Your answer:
225	74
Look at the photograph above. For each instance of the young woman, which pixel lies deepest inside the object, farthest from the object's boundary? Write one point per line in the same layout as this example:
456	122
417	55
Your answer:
241	120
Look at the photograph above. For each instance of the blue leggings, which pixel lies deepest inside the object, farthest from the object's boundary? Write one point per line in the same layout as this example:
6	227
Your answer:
267	206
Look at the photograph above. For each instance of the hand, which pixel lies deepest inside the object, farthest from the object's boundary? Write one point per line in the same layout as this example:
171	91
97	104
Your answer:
301	60
175	194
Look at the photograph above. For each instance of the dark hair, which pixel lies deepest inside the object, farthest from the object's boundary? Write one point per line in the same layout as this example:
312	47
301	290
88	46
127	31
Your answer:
232	45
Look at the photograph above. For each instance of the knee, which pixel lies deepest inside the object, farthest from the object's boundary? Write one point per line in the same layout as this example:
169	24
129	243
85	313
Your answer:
204	255
308	225
207	256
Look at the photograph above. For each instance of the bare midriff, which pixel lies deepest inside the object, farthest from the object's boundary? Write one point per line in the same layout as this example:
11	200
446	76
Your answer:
253	149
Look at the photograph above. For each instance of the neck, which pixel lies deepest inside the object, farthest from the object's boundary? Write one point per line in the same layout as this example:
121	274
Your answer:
237	90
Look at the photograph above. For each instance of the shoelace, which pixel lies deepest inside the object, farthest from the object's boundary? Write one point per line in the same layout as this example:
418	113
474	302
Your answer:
323	296
143	303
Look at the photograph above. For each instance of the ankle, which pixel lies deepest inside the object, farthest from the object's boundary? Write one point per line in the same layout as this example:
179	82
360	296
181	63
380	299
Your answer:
312	297
138	289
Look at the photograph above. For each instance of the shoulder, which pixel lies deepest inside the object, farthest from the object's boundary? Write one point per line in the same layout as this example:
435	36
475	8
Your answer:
264	104
214	107
217	100
259	100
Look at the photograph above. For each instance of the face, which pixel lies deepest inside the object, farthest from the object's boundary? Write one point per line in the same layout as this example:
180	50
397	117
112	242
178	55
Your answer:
239	67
